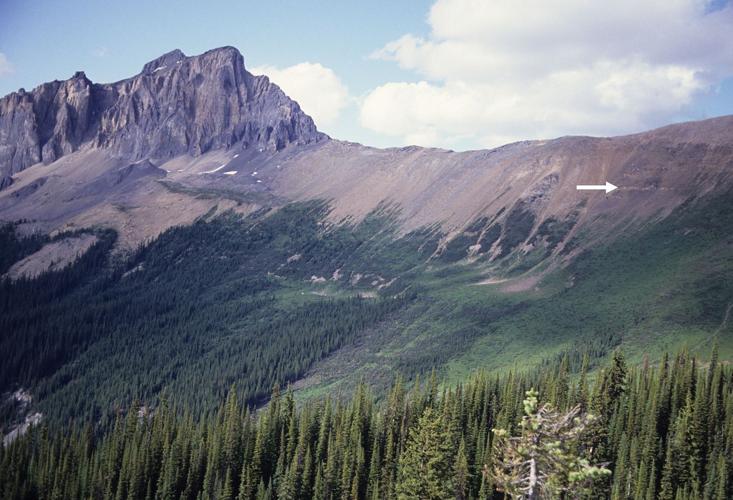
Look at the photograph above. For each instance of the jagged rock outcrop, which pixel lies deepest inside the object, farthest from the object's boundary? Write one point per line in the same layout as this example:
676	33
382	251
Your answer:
19	143
176	105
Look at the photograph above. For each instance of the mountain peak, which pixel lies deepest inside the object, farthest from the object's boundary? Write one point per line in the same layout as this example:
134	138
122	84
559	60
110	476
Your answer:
167	59
226	55
177	105
225	50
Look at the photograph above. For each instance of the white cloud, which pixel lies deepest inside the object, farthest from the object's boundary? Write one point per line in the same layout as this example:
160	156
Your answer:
507	70
317	89
5	67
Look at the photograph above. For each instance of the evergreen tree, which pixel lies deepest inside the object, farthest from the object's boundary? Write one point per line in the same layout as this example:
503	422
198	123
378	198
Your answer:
425	470
462	476
669	428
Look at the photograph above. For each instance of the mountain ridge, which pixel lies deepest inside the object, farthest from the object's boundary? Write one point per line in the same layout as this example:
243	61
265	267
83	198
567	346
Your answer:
203	126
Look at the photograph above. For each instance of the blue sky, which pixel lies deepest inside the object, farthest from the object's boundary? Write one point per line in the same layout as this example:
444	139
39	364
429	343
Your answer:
451	73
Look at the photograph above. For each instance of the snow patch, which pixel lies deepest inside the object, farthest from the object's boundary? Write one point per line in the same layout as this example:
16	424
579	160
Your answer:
231	172
214	171
158	69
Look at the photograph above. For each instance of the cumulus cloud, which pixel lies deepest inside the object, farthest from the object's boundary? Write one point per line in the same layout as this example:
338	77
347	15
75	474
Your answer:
507	70
5	67
318	90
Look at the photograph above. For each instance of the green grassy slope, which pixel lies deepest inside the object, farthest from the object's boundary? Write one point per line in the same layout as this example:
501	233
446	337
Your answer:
651	290
283	296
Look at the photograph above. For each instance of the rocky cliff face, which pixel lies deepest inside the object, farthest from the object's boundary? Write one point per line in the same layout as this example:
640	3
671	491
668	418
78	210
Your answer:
176	105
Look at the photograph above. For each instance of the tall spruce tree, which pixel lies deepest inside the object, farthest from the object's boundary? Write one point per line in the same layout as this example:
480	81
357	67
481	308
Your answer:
425	470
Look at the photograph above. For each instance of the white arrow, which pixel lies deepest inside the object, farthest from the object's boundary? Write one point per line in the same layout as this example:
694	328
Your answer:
608	187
